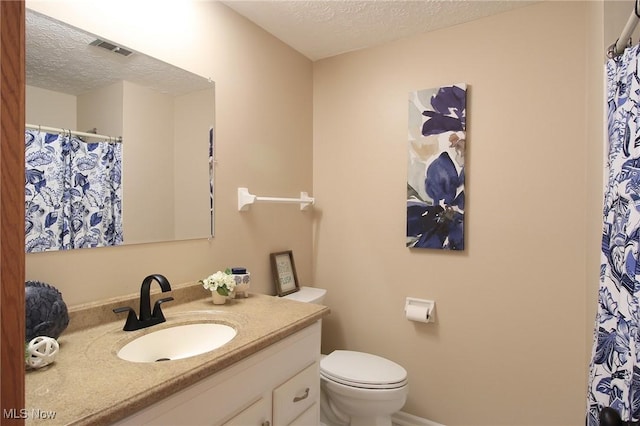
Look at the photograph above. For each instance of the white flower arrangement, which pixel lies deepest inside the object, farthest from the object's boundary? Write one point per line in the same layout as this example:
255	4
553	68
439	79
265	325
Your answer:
221	282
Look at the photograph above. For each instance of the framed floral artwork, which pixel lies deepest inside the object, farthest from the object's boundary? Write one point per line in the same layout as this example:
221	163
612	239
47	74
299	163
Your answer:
436	172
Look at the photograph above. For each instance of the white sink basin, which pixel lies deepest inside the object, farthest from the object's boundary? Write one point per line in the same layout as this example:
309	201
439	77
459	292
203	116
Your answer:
181	341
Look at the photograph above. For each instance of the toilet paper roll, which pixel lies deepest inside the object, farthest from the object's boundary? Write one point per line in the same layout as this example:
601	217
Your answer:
418	313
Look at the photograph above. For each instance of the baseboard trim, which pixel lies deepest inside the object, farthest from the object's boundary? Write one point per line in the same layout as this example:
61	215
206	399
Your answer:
405	419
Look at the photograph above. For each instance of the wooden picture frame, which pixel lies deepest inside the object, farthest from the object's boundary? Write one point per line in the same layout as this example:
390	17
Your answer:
284	273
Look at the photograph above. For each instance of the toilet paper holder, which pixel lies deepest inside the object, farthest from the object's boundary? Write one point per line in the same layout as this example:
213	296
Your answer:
420	310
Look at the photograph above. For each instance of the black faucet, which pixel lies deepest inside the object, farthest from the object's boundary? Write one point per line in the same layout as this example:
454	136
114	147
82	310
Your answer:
147	318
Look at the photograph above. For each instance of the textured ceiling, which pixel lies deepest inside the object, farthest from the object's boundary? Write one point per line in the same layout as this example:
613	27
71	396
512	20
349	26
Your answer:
59	58
319	28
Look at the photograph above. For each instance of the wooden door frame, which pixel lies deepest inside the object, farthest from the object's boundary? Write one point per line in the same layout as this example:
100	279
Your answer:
12	257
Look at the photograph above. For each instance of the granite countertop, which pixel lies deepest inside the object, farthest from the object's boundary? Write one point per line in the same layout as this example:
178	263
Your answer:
89	384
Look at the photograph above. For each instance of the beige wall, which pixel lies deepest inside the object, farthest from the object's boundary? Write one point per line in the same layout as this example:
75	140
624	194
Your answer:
147	165
509	344
48	108
192	179
263	133
101	109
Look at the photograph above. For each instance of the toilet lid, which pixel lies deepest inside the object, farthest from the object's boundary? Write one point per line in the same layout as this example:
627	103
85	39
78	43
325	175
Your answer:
363	370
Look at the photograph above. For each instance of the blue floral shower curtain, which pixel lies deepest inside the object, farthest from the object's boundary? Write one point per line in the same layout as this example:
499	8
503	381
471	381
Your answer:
614	376
73	192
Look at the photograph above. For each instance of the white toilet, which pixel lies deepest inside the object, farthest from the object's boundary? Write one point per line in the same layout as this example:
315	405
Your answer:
358	389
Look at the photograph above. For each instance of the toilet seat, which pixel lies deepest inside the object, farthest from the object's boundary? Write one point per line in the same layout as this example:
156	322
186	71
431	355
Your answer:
362	370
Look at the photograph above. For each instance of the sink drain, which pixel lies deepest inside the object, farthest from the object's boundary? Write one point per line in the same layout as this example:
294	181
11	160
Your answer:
163	359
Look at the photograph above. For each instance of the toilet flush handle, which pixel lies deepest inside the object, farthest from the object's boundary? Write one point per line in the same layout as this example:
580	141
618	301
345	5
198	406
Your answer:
300	398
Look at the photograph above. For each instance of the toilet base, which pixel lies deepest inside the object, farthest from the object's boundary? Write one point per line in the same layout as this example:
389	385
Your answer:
370	421
331	415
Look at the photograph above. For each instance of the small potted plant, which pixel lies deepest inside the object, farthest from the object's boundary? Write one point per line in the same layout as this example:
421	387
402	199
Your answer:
221	285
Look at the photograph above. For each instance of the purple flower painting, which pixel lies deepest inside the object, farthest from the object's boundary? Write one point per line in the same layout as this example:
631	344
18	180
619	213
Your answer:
435	174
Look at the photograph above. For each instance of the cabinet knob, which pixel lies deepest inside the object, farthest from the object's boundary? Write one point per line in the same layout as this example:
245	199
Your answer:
266	423
300	398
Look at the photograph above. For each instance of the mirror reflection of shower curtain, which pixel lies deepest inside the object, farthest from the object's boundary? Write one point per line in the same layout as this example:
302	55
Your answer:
73	192
614	373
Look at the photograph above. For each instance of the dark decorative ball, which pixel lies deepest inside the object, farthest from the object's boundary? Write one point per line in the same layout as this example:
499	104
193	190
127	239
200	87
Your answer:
47	313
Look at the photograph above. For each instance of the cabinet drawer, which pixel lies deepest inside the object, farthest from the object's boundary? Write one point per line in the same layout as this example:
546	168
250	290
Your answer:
257	414
296	395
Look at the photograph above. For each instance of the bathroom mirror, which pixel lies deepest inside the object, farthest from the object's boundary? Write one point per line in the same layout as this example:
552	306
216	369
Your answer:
165	115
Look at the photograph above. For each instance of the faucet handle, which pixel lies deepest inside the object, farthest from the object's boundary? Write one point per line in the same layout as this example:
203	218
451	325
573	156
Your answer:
157	310
132	320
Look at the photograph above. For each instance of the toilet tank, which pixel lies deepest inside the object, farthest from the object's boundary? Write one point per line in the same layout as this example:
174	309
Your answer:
308	295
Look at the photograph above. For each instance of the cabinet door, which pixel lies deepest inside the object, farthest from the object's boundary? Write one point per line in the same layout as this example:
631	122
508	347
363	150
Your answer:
257	414
296	395
309	417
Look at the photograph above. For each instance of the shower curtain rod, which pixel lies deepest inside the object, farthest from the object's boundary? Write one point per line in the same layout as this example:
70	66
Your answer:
624	40
113	139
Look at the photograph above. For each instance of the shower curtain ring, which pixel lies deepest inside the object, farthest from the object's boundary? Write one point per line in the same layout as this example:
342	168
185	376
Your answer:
612	52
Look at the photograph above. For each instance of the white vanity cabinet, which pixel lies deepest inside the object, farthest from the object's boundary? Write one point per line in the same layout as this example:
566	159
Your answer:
277	386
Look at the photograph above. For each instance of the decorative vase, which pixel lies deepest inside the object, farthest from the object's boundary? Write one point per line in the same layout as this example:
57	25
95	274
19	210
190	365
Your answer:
218	299
243	283
46	312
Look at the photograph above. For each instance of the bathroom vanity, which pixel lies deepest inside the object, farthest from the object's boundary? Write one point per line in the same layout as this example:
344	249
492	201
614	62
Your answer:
266	375
278	385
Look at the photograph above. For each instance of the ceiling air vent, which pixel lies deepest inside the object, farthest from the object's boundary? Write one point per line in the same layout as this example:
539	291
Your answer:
111	47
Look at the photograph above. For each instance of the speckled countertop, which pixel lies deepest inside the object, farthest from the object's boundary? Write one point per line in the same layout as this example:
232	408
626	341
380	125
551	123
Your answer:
89	385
